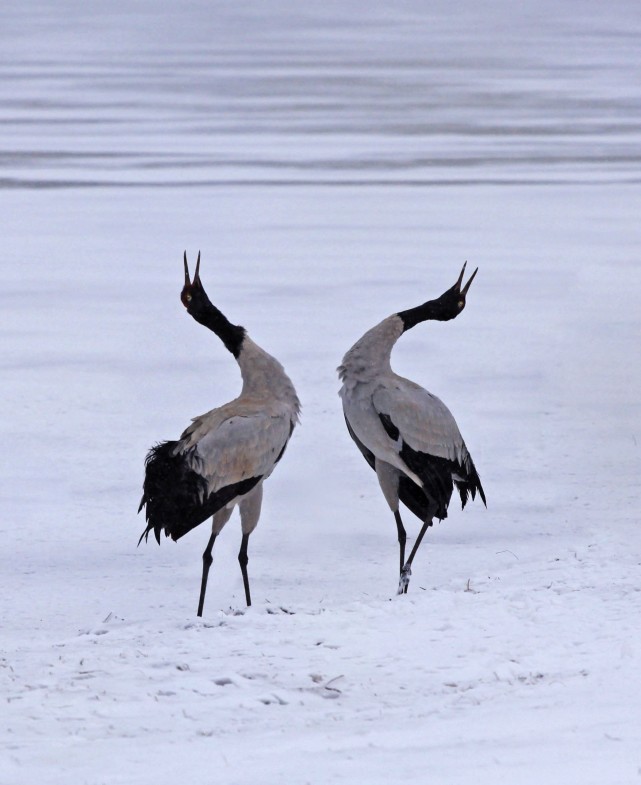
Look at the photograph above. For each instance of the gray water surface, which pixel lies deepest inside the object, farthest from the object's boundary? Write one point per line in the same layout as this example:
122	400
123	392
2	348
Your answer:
213	93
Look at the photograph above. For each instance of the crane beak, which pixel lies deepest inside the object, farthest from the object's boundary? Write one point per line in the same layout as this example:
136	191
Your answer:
457	285
196	274
187	281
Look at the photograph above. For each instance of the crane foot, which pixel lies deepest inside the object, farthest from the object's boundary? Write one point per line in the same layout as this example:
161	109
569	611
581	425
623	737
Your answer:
404	580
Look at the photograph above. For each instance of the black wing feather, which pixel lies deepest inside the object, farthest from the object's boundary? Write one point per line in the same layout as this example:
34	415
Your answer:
409	492
436	473
175	496
390	429
469	483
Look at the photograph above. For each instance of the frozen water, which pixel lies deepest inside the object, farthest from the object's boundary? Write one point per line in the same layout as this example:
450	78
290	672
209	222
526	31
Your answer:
335	163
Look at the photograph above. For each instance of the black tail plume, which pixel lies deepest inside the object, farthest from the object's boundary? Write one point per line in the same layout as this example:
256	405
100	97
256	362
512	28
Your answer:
175	496
469	485
171	490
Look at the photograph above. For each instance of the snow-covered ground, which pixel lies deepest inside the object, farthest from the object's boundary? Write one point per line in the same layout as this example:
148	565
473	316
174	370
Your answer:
333	165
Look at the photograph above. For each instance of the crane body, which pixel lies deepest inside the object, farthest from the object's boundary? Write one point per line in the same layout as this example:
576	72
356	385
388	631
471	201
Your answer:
223	457
406	434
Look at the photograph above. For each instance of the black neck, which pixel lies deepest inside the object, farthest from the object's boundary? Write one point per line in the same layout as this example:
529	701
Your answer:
232	335
421	313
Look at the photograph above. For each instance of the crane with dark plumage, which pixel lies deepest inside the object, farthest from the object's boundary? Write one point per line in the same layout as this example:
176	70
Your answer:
223	458
406	434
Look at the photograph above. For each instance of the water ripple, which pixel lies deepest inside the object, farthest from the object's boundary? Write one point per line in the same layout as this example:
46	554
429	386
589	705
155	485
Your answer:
231	95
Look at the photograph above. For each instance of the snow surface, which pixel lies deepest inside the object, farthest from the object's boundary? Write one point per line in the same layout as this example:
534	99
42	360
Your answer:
334	163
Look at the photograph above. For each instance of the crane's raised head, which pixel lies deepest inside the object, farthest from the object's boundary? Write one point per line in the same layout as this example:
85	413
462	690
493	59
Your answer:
448	306
194	298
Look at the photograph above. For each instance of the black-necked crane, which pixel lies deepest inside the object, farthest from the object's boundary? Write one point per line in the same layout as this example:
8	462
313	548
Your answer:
406	434
223	458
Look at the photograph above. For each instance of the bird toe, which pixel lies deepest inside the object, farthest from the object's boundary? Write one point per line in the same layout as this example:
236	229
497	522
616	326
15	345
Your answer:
404	580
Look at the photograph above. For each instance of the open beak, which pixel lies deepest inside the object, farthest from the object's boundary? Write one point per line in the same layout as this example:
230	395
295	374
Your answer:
196	275
457	285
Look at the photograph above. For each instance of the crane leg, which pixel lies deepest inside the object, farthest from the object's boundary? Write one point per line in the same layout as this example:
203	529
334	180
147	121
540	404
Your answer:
402	537
242	560
406	572
207	560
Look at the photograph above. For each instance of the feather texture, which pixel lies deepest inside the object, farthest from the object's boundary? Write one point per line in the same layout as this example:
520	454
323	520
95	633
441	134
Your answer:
223	454
175	496
223	457
396	421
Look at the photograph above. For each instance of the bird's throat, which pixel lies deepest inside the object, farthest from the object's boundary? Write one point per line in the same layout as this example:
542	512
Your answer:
421	313
232	335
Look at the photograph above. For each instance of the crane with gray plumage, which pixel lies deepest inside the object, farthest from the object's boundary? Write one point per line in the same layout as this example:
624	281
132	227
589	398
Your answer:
406	434
223	458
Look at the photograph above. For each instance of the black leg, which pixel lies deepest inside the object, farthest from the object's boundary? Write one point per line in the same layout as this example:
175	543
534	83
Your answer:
207	560
407	569
402	537
242	560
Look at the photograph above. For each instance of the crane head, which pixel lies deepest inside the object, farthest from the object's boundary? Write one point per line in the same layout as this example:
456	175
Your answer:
450	304
199	306
193	294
